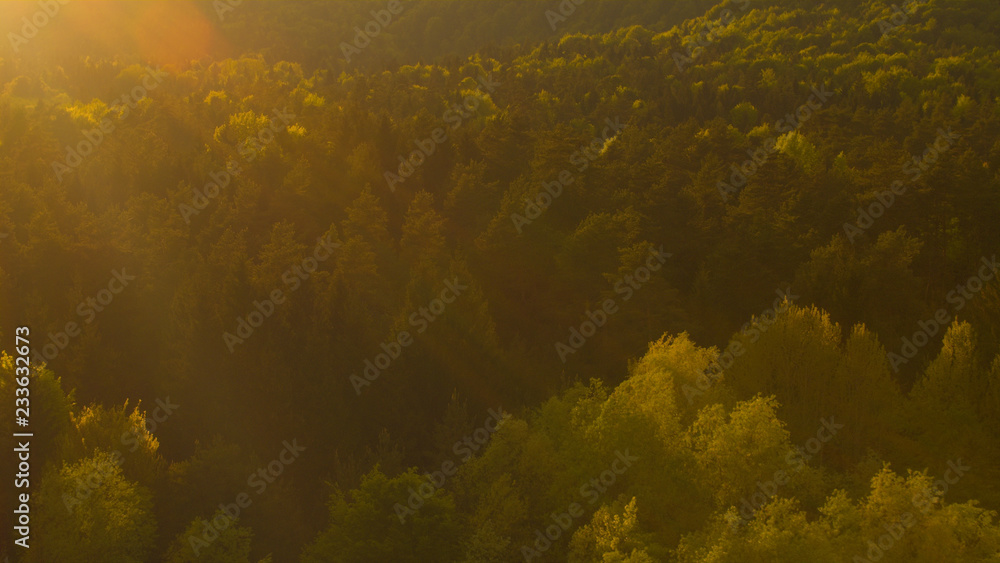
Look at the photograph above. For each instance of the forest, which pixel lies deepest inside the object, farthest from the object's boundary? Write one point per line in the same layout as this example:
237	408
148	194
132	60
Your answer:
453	281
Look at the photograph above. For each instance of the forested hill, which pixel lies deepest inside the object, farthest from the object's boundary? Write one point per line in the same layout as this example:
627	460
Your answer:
687	246
433	32
314	33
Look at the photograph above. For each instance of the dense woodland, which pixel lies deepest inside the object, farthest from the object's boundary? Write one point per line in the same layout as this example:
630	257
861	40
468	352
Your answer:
800	359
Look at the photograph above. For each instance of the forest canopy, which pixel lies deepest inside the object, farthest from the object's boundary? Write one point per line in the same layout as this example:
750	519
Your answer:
491	281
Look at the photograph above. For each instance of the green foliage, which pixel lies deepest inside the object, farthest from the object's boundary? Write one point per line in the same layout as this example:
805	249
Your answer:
547	94
753	430
117	430
231	545
88	511
364	525
613	534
